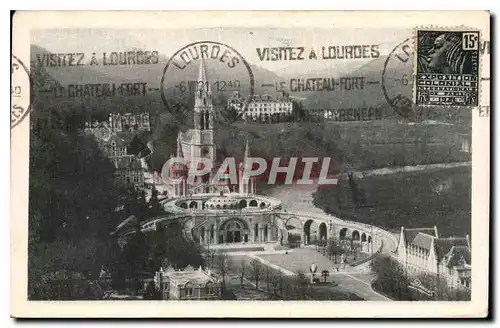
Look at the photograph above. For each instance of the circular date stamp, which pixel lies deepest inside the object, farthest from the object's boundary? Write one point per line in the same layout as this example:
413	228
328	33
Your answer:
215	66
398	82
19	91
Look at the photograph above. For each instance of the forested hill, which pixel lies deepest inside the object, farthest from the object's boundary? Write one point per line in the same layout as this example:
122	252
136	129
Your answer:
388	142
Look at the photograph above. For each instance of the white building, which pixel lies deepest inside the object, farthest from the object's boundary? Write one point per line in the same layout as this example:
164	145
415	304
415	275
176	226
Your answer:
420	250
188	284
264	107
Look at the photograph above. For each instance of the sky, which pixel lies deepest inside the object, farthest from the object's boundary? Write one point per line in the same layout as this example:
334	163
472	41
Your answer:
244	40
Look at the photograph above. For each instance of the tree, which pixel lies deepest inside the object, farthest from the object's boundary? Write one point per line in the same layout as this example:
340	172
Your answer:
278	283
242	271
135	203
154	203
267	278
61	263
135	253
221	265
151	293
157	247
440	289
302	286
210	256
298	112
335	251
180	253
72	196
391	277
256	271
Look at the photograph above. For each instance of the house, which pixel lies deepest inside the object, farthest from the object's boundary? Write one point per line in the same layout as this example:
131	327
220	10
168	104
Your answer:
123	149
422	250
188	284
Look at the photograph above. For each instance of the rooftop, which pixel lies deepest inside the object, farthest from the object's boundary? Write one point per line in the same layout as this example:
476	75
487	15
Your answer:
423	240
411	234
127	162
198	277
448	246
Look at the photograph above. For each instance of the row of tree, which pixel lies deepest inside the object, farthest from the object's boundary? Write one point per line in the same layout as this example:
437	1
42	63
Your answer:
74	205
273	283
72	201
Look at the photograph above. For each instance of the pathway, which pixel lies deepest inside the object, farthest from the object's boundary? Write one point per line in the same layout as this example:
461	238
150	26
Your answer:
298	260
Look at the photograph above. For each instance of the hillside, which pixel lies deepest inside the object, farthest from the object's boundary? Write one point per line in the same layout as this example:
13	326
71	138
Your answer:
355	144
440	197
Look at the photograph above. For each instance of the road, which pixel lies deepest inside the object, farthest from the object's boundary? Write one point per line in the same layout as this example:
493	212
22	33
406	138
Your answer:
355	280
300	198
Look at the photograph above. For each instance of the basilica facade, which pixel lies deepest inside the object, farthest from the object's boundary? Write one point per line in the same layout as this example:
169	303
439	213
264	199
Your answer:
216	211
198	143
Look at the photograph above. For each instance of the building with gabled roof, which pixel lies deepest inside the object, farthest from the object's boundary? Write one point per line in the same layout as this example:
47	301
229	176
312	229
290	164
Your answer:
188	284
123	149
422	250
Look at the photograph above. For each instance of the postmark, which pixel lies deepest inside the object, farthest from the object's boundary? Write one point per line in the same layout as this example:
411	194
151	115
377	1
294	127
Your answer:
20	91
398	86
447	67
397	81
230	79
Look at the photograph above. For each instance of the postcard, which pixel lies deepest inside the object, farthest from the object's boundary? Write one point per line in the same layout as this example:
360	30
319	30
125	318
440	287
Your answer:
250	164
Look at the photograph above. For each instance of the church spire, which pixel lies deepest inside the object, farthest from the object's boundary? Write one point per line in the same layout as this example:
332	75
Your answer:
179	146
247	149
202	72
203	98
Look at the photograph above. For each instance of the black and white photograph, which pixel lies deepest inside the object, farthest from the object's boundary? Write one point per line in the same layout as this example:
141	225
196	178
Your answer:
242	163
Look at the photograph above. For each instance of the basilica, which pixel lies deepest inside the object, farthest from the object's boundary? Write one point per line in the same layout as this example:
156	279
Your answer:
213	211
198	143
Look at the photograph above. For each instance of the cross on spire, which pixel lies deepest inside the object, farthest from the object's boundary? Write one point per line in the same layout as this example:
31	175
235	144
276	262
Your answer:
203	98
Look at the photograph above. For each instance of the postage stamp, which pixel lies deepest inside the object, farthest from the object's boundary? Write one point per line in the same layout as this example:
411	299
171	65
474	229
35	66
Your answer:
181	159
447	67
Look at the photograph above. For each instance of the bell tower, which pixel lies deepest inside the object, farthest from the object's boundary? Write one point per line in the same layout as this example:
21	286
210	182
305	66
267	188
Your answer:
203	135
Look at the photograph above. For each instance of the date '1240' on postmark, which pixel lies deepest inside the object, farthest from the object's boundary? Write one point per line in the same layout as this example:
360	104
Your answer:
447	68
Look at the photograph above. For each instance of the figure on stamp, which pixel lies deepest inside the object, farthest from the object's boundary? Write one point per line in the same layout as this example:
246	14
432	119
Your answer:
448	68
446	55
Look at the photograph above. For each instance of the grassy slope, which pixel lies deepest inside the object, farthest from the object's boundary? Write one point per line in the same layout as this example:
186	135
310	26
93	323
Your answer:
359	145
418	199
